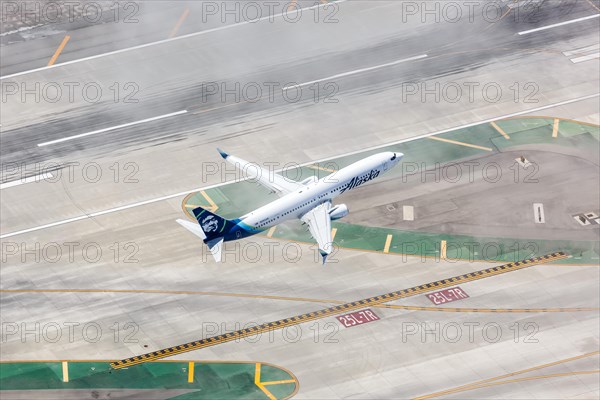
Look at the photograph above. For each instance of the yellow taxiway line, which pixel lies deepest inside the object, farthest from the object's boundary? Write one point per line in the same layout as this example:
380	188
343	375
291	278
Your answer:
555	128
460	143
388	242
485	382
304	300
65	371
191	366
213	207
443	247
335	310
258	383
184	15
593	5
500	130
279	382
531	378
59	50
315	166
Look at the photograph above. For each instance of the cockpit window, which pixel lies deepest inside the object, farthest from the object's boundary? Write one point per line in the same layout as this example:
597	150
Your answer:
393	158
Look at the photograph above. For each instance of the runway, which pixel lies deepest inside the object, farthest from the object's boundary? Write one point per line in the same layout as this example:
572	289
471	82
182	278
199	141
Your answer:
92	185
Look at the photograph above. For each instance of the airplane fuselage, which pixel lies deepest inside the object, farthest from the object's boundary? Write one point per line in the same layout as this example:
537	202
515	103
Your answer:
294	205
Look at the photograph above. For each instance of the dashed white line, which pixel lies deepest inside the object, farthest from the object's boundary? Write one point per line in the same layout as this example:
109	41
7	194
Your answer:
248	22
543	28
357	71
150	201
29	179
112	128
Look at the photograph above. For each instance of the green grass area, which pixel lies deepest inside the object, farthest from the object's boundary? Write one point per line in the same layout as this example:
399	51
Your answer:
212	380
234	199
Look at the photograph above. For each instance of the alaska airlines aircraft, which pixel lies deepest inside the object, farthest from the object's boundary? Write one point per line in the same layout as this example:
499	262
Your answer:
309	200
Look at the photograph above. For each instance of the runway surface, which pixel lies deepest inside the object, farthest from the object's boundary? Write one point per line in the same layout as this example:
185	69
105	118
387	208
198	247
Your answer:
94	245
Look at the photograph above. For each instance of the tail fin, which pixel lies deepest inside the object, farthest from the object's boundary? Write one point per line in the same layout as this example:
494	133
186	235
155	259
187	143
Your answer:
215	228
212	225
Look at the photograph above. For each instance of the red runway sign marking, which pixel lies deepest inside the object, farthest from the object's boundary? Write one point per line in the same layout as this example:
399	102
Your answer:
447	296
358	318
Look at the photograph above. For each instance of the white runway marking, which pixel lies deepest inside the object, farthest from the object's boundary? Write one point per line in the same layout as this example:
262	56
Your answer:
408	213
589	57
29	179
357	71
583	53
249	22
112	128
538	212
581	50
543	28
142	203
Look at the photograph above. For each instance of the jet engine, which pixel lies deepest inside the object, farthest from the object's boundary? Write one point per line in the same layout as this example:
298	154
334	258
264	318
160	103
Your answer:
339	211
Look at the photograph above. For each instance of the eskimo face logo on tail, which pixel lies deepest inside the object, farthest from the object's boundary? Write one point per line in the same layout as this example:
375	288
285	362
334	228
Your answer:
359	180
209	224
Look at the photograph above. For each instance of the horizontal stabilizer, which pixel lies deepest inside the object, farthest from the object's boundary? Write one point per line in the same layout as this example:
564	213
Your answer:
192	227
215	246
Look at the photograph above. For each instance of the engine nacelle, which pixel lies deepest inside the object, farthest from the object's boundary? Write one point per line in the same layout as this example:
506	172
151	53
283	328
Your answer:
339	211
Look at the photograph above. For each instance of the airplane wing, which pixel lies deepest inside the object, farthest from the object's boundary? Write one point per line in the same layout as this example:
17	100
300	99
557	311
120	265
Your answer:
319	224
269	179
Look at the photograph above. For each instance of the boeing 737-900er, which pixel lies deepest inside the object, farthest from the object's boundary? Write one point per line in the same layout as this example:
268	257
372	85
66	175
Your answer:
309	200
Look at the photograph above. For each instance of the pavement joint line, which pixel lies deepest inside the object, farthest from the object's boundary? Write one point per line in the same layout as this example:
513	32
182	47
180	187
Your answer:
461	143
59	50
572	21
335	310
112	128
189	35
187	192
496	127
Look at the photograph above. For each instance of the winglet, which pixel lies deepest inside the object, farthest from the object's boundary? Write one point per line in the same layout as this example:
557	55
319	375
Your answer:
222	153
324	255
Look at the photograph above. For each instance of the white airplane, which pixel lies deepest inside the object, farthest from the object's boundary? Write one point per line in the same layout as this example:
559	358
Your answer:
309	201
